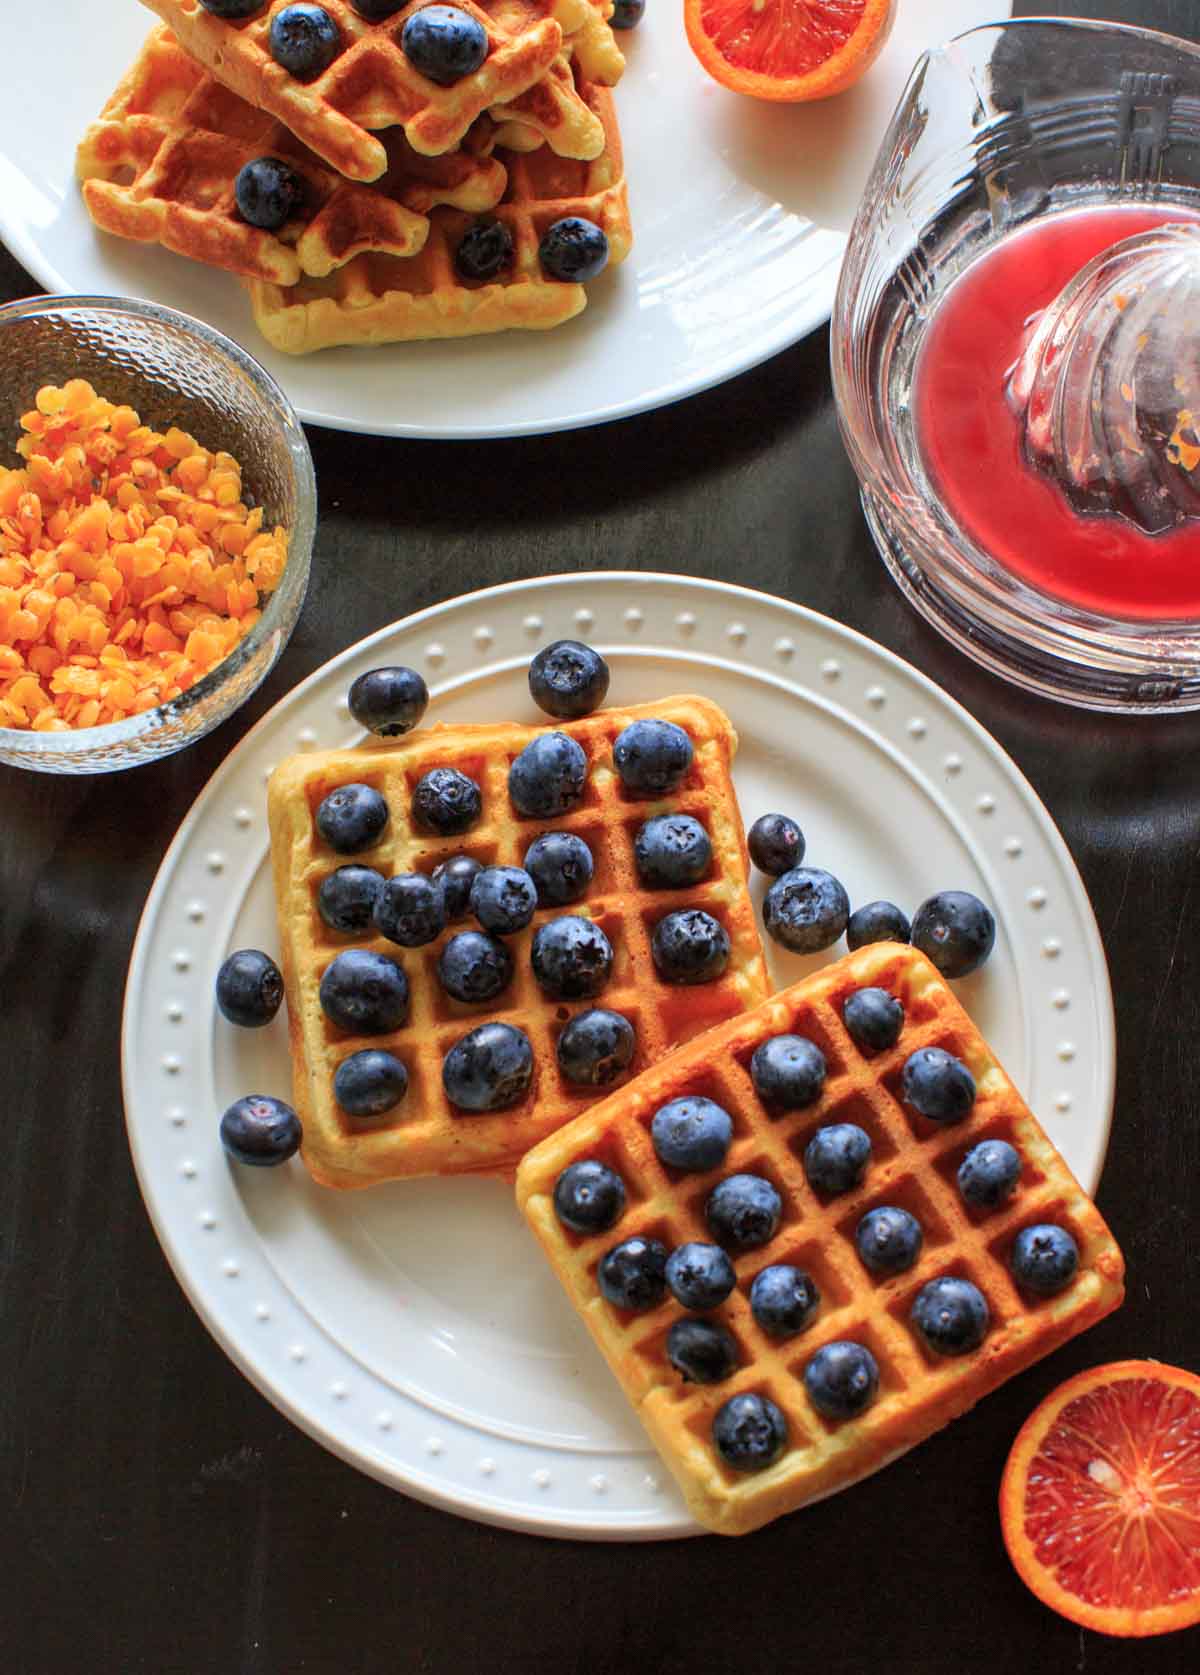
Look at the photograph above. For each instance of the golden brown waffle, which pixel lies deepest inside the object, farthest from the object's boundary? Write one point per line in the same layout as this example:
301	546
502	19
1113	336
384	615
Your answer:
913	1166
424	1135
381	299
371	85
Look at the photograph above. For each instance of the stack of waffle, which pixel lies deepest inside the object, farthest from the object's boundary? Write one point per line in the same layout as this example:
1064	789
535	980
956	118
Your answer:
395	168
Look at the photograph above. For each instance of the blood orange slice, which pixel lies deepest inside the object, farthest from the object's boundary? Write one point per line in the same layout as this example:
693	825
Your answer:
788	50
1100	1499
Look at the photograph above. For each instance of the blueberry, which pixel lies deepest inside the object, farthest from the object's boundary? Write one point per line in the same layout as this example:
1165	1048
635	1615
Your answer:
743	1211
410	910
375	11
589	1197
692	1133
672	851
233	9
836	1157
260	1131
547	778
369	1083
595	1048
889	1240
701	1350
489	1069
652	757
1044	1259
389	702
937	1085
842	1379
485	249
304	40
352	818
750	1432
573	249
268	192
249	988
788	1071
560	864
455	877
446	802
633	1274
873	1019
878	921
568	679
989	1174
950	1316
364	993
783	1300
572	958
503	899
954	930
700	1276
627	14
444	43
346	898
473	967
806	910
776	844
690	947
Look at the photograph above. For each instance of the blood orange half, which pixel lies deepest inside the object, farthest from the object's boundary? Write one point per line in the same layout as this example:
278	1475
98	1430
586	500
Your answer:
788	50
1100	1499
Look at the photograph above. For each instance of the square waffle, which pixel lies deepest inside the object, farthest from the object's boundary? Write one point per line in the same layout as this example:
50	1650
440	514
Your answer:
425	1134
913	1166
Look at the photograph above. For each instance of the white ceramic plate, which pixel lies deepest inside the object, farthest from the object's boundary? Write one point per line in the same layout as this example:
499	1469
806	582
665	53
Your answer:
413	1328
739	211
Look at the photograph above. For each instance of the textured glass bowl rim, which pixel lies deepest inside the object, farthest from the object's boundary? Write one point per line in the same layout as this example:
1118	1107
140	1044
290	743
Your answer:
85	742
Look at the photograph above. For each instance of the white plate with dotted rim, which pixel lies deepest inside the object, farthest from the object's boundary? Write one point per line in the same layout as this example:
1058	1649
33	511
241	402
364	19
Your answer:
413	1328
737	245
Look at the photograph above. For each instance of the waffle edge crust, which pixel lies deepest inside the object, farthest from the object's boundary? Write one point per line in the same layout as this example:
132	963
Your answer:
913	1165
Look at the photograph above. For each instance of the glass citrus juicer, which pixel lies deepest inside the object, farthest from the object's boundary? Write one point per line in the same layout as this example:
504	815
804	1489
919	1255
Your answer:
1016	357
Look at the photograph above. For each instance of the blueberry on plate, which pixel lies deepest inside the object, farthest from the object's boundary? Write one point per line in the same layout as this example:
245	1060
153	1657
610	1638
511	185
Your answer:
690	947
873	1019
671	851
701	1351
955	930
878	921
410	910
700	1276
233	9
937	1085
304	40
455	878
573	250
568	680
572	958
260	1131
776	844
485	249
561	866
749	1432
989	1173
950	1316
490	1069
474	967
836	1158
743	1211
1044	1259
446	802
652	757
268	192
806	910
633	1274
888	1240
364	993
503	899
249	988
548	777
595	1048
788	1072
627	14
842	1379
351	818
589	1197
369	1082
691	1133
346	898
389	702
444	43
783	1299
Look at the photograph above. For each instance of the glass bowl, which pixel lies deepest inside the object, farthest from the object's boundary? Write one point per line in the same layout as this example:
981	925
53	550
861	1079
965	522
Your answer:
1002	125
173	370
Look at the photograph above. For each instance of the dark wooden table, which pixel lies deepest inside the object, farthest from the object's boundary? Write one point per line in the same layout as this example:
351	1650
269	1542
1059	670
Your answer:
158	1515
